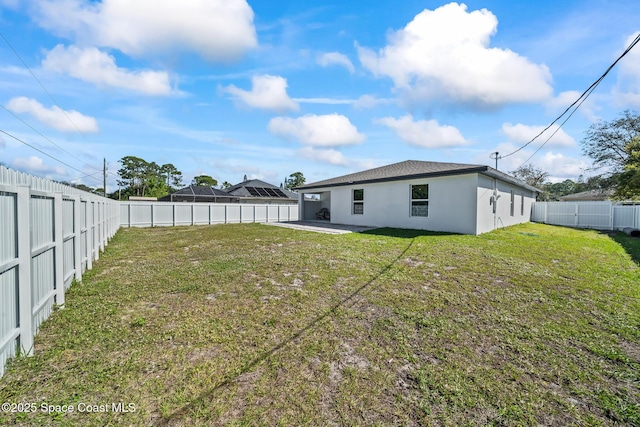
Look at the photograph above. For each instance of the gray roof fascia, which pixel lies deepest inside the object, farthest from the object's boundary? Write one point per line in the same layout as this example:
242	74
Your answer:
493	173
474	169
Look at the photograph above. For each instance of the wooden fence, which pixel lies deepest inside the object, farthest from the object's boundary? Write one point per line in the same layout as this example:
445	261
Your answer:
596	215
49	235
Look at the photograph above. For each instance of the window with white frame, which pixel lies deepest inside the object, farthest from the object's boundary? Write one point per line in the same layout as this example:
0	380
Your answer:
522	204
358	202
420	200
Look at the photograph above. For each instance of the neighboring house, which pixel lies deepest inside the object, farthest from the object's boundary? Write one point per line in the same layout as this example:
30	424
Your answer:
199	194
256	191
248	191
142	199
588	196
451	197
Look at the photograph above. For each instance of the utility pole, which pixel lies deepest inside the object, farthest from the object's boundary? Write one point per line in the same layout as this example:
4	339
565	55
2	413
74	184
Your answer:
104	177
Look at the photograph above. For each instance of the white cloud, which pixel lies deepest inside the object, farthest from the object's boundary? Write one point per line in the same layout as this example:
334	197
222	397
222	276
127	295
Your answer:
331	156
36	165
336	58
560	103
335	157
444	55
218	30
369	101
626	92
559	166
325	101
424	133
521	134
318	130
93	66
267	93
54	117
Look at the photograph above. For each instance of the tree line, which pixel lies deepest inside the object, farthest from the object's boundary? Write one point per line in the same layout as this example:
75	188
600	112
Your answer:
138	177
614	147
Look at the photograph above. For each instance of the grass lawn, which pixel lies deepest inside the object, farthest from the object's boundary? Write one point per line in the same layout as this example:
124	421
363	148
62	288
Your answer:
256	325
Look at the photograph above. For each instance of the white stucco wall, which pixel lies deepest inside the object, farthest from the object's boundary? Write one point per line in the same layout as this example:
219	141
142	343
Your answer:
458	204
503	218
452	204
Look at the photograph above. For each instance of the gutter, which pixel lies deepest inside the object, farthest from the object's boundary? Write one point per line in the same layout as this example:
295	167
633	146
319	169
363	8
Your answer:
396	178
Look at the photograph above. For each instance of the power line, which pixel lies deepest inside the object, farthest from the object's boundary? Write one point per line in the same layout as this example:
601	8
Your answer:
44	136
39	150
583	97
42	85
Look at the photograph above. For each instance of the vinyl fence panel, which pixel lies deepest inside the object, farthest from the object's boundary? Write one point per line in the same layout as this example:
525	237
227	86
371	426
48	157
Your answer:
49	234
163	214
595	215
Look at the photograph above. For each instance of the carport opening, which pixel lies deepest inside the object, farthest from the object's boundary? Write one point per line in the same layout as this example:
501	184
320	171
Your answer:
317	206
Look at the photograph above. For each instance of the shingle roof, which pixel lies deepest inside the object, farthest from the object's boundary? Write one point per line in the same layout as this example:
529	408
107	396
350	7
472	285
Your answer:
589	195
199	190
250	183
410	169
403	170
255	188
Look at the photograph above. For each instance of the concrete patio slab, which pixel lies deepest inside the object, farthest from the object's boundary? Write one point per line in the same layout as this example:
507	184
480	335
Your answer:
321	227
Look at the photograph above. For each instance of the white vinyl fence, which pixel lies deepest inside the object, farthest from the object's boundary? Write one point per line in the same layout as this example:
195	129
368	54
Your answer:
596	215
49	235
162	214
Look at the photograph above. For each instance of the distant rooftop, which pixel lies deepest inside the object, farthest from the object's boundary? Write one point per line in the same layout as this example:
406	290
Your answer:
591	195
259	189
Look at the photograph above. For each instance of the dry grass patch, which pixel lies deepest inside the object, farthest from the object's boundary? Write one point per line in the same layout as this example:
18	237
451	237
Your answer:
255	325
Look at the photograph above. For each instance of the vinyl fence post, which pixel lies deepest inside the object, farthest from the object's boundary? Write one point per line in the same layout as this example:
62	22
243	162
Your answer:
24	269
77	236
96	230
58	280
88	217
611	222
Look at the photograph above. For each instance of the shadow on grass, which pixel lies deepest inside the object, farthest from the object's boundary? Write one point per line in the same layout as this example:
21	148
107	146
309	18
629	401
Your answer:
630	244
405	233
201	400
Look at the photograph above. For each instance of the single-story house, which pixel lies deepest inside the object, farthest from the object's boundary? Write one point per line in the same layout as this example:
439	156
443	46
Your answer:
199	194
588	196
257	191
450	197
248	191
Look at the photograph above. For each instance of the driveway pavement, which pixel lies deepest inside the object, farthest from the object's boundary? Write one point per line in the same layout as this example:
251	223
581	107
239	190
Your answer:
321	227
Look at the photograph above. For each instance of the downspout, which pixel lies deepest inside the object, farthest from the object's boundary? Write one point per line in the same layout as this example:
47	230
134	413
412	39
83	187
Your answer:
494	203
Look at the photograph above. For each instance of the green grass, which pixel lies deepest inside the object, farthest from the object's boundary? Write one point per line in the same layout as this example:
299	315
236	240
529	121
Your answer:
248	325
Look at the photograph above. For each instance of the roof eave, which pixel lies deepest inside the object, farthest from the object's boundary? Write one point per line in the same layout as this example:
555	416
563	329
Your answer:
494	173
477	169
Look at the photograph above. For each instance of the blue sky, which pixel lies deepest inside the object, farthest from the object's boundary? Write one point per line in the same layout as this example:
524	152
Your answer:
268	88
